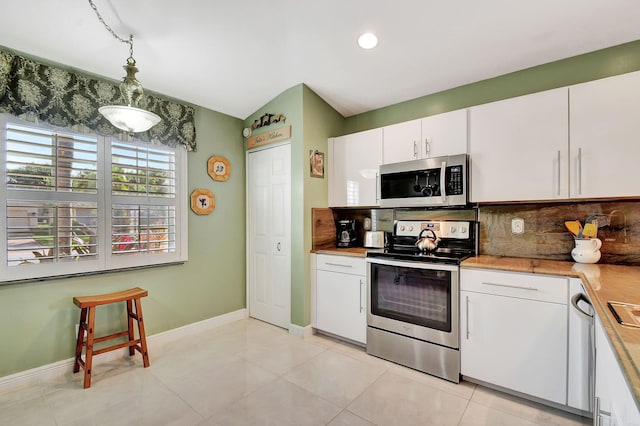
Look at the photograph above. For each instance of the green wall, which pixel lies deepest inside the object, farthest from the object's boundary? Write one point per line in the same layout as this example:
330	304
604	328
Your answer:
38	319
578	69
312	122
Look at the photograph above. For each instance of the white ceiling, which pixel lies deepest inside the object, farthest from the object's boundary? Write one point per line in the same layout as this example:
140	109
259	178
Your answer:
234	56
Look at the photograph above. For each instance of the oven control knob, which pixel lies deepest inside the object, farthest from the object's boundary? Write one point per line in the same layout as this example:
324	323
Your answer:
463	230
409	228
452	230
402	227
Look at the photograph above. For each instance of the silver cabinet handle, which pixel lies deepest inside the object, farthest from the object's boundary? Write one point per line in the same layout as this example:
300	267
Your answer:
512	286
426	147
361	284
443	186
467	309
339	264
278	247
596	411
579	171
559	173
415	149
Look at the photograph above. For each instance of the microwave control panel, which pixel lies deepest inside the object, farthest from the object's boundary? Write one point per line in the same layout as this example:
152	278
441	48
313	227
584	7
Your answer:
454	179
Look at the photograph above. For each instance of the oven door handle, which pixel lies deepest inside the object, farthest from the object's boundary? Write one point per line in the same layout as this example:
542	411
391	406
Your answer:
413	264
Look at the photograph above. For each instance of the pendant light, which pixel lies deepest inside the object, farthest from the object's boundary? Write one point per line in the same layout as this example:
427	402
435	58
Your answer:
127	117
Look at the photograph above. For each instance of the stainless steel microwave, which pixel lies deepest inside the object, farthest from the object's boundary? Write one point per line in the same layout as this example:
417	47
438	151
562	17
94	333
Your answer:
437	182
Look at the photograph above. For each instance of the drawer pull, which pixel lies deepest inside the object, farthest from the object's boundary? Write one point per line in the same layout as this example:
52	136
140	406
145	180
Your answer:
511	286
339	264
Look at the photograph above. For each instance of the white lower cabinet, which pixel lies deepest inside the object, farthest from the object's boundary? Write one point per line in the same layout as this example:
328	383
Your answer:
340	296
614	402
514	332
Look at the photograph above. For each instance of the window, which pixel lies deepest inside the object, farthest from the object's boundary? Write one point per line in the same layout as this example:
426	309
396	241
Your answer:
77	203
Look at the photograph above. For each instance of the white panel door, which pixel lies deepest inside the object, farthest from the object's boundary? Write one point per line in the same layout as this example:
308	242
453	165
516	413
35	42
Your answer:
269	234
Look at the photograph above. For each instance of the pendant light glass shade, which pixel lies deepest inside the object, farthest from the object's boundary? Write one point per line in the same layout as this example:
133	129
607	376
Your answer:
129	118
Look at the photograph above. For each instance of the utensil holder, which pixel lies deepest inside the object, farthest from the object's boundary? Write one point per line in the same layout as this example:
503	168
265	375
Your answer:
587	250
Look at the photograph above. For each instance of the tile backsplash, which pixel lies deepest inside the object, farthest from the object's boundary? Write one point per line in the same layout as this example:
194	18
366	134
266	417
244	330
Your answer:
545	236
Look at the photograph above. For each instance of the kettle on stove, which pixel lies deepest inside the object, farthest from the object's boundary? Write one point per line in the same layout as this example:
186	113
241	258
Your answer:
428	243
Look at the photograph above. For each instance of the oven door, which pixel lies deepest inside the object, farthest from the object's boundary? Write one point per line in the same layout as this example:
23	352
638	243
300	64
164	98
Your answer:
415	299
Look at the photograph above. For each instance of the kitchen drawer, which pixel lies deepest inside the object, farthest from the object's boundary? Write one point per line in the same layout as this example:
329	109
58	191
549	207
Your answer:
343	264
525	286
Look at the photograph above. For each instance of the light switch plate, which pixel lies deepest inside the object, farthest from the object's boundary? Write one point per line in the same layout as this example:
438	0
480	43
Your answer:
517	225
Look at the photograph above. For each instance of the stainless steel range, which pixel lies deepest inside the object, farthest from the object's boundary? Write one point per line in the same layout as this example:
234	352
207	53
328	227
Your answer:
413	288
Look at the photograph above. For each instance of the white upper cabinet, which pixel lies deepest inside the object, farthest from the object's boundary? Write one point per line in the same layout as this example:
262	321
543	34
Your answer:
434	136
519	148
605	137
444	134
353	169
401	142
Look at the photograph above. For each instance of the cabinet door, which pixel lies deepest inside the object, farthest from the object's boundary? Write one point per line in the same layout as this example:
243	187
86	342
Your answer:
515	343
444	134
519	147
401	142
604	137
341	305
614	399
354	166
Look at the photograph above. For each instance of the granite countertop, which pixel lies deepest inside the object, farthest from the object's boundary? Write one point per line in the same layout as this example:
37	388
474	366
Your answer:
603	283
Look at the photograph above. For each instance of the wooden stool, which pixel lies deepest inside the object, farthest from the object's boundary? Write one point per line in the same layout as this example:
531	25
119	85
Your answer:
87	305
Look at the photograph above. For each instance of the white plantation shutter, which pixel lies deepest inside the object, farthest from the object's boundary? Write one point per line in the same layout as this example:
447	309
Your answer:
77	203
143	211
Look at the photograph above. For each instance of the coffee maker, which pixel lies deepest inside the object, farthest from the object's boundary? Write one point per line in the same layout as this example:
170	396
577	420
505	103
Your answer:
346	235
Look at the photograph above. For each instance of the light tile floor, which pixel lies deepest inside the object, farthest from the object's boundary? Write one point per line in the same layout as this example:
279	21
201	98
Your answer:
252	373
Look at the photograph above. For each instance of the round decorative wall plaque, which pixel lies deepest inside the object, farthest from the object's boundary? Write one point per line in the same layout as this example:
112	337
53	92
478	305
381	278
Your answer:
219	168
202	201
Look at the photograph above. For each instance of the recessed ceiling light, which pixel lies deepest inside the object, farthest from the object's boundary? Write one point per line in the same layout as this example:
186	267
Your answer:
368	41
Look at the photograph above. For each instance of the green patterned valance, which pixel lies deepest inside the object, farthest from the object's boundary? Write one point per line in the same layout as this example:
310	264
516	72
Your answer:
34	91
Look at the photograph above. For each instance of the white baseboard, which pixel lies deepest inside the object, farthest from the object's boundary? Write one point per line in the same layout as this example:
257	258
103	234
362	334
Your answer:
59	368
300	331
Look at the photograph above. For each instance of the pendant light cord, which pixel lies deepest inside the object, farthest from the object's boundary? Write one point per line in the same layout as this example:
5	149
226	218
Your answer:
113	33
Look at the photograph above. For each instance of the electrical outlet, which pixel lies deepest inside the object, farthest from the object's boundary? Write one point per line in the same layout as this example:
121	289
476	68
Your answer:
517	225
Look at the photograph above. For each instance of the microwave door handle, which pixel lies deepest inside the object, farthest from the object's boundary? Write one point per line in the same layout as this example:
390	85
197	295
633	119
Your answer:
443	188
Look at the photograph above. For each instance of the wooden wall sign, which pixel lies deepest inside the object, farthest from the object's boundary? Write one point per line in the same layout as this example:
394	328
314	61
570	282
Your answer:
277	135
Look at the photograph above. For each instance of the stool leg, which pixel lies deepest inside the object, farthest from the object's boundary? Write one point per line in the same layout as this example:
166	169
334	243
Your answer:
89	352
143	337
132	337
80	341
